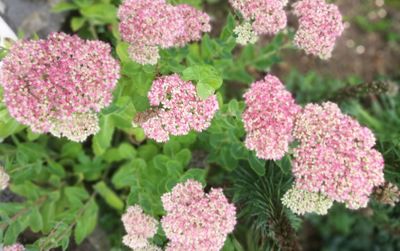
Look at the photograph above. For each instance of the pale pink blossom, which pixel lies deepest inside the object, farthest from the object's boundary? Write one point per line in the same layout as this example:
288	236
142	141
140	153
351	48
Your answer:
139	227
14	247
177	109
320	24
269	118
196	220
335	156
47	81
267	16
149	24
4	178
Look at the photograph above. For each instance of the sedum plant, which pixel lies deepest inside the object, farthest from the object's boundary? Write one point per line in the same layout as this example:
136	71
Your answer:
168	137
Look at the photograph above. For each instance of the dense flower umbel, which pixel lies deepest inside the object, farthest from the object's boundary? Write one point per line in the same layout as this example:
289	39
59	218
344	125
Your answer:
177	110
14	247
47	82
267	16
320	24
245	34
335	156
196	220
302	202
4	179
139	227
149	24
269	118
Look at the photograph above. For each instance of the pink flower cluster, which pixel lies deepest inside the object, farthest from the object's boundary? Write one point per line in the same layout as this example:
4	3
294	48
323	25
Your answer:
267	16
14	247
196	220
335	156
149	24
139	227
47	82
269	118
320	24
177	109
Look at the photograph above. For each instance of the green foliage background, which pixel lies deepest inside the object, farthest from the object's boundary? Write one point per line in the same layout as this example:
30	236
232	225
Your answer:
62	190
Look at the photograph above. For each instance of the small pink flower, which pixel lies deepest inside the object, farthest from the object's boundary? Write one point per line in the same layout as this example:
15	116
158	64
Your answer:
149	24
139	227
50	81
320	24
196	220
14	247
335	156
267	16
177	109
269	118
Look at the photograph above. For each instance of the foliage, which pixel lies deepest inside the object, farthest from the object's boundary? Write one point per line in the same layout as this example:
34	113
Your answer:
61	191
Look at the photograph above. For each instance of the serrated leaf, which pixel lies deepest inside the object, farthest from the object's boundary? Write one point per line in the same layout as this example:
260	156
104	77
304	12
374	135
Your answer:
257	165
102	140
204	90
64	6
77	23
101	12
109	196
35	220
87	222
196	174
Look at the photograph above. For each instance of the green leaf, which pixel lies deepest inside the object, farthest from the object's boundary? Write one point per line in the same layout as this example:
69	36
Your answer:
87	222
126	175
204	90
122	51
76	195
227	31
71	150
196	174
77	23
257	165
109	196
13	230
48	211
101	12
64	6
184	156
35	220
171	148
102	140
205	74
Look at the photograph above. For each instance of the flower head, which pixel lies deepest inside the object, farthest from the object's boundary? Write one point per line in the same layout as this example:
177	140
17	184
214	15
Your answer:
320	24
267	16
196	220
245	34
177	109
14	247
48	81
139	227
269	118
302	202
149	24
335	156
4	179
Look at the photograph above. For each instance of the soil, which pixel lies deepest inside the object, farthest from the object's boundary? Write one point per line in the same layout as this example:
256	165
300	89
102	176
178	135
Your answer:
358	52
